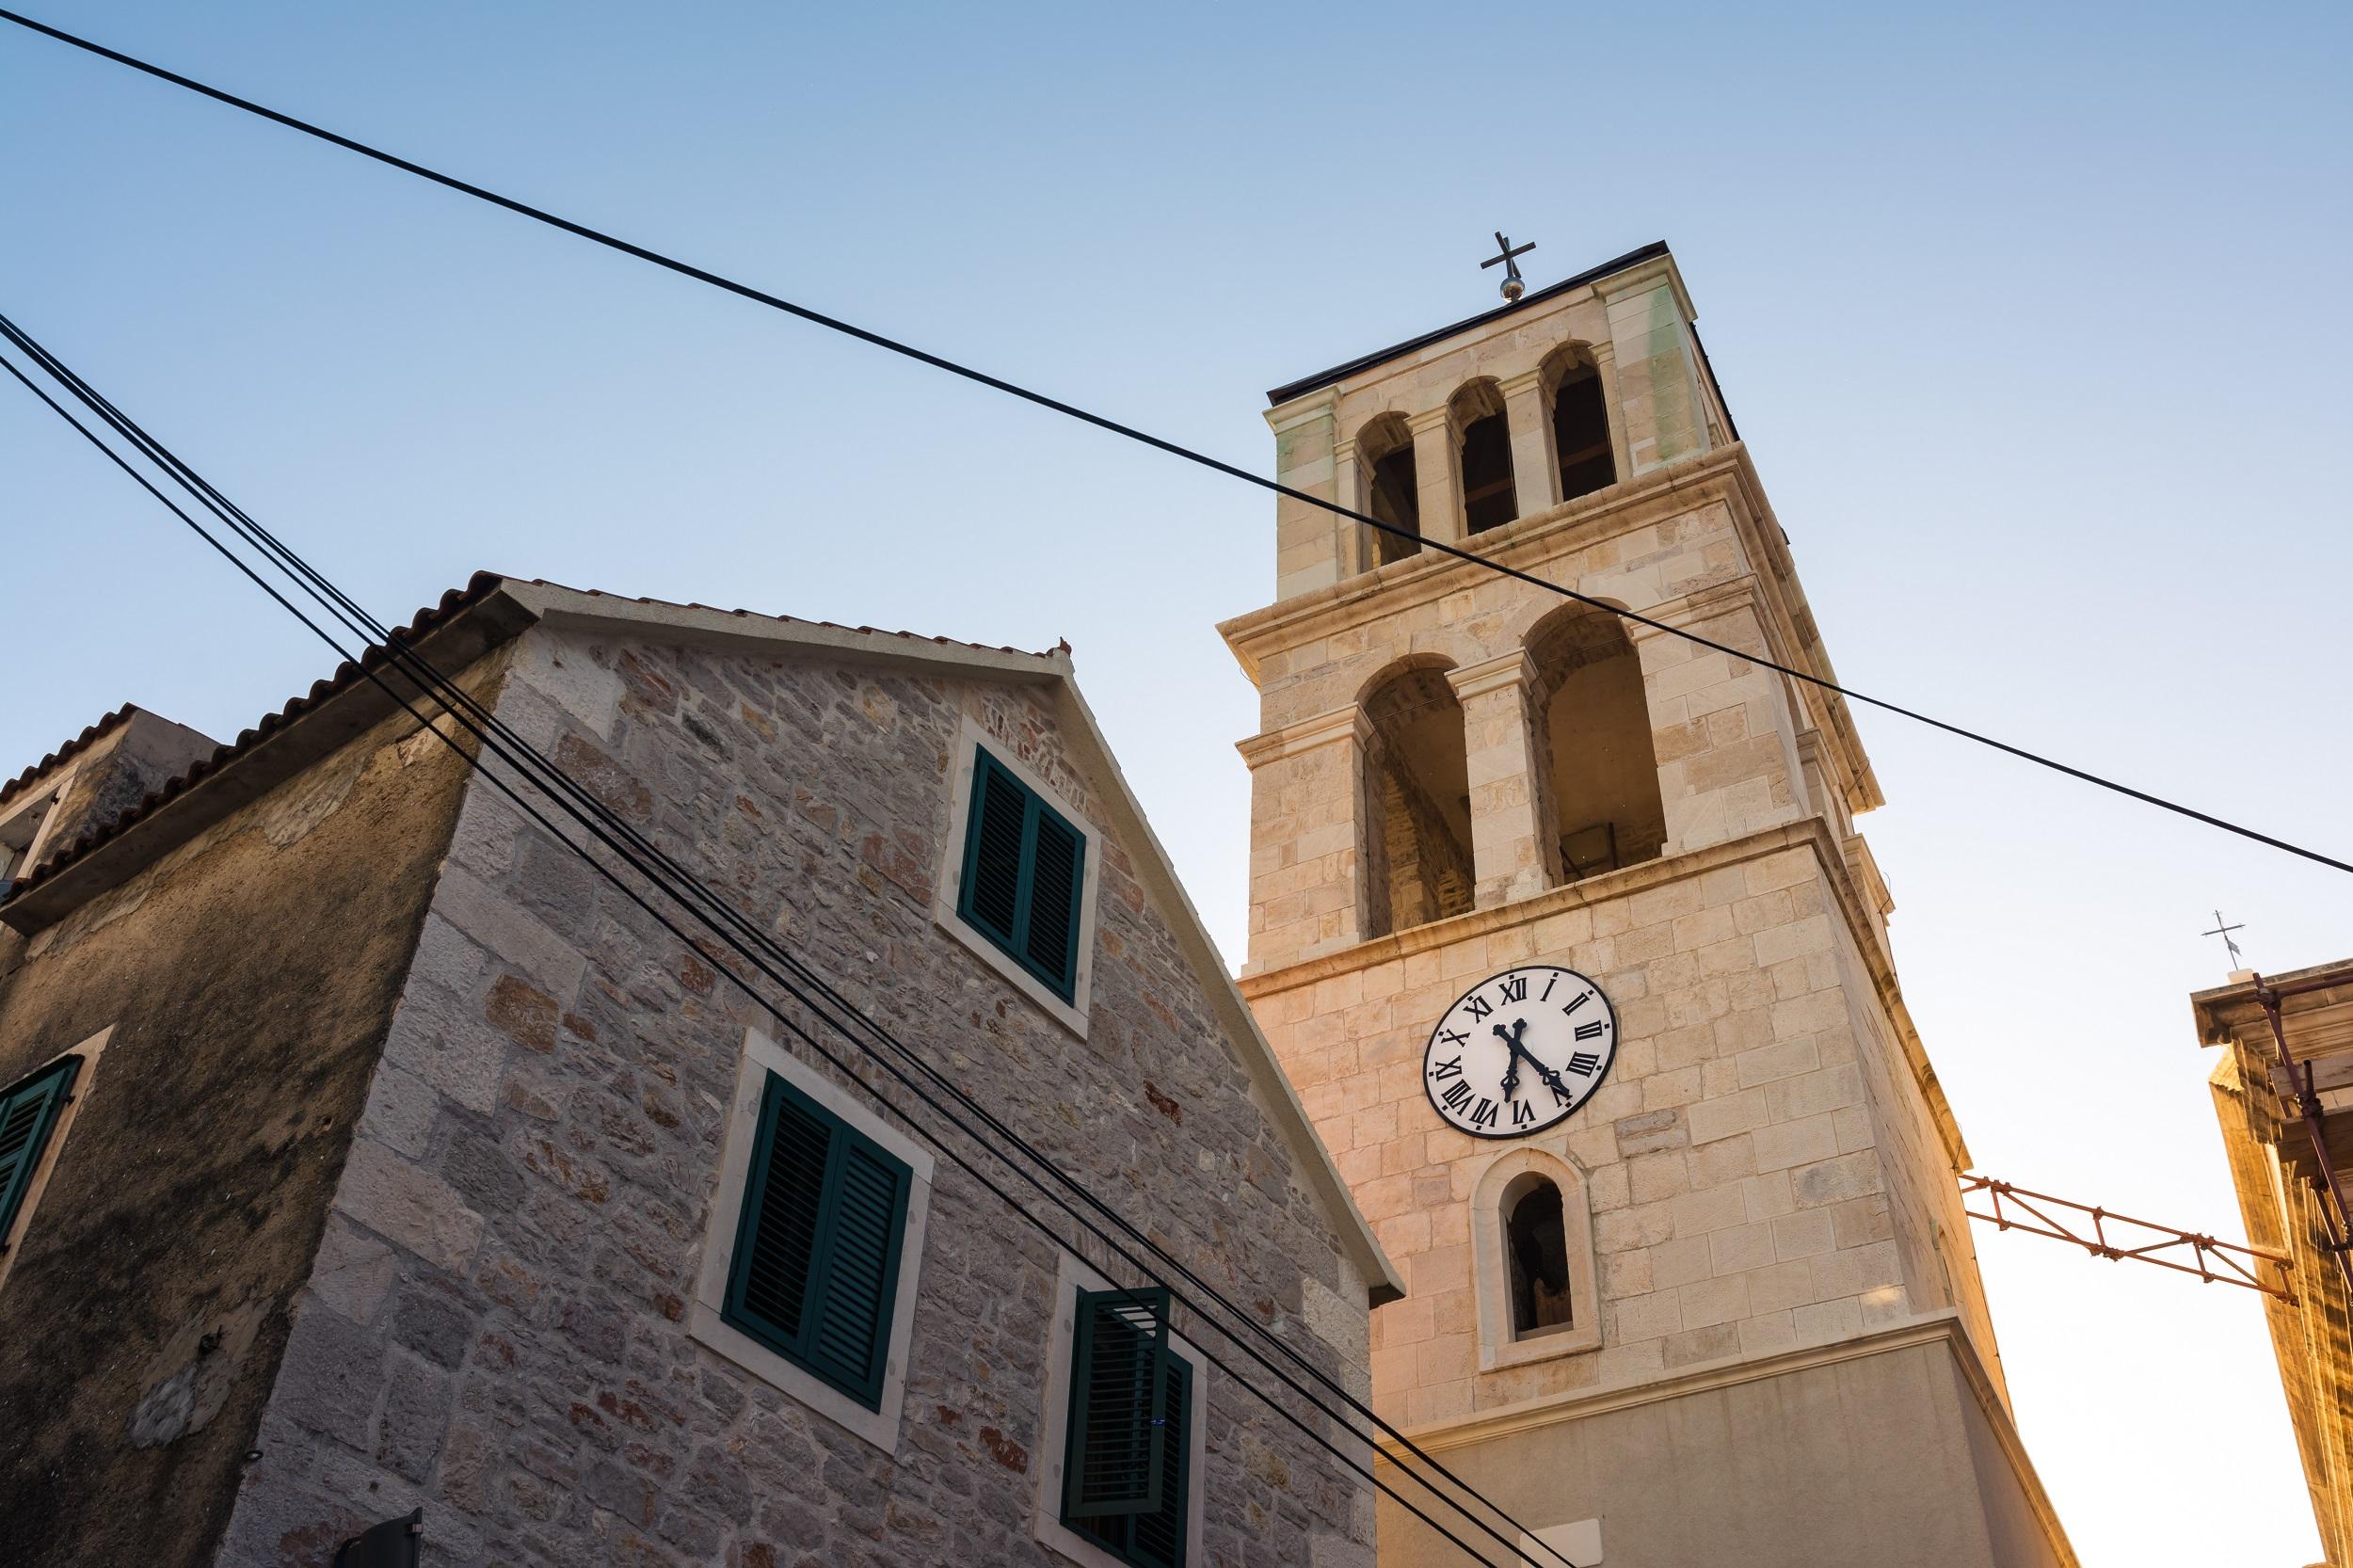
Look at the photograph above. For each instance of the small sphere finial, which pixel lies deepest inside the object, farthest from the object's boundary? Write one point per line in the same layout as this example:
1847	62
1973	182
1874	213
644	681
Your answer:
1514	285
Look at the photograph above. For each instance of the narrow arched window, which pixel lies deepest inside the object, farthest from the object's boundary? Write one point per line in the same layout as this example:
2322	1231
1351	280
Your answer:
1490	496
1536	1257
1580	432
1392	490
1416	800
1598	803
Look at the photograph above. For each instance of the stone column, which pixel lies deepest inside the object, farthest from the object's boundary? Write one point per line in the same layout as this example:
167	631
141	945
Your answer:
1507	849
1356	548
1434	462
1307	826
1535	467
1307	540
1606	367
1657	375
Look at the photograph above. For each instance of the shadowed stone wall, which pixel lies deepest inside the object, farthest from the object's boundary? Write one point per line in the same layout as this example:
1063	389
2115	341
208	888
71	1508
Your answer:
496	1324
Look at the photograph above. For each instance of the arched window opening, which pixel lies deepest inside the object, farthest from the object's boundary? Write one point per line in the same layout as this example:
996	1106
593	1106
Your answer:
1392	490
1536	1257
1581	431
1600	807
1417	843
1490	497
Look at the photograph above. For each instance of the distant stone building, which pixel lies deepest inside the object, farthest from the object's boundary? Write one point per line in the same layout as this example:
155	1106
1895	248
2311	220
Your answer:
370	1153
1562	927
2283	1198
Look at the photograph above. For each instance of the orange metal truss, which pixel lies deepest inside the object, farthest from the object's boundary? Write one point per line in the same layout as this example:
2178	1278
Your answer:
2212	1261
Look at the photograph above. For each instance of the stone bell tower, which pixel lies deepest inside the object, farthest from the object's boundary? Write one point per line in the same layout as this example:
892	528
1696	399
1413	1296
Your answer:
1724	1307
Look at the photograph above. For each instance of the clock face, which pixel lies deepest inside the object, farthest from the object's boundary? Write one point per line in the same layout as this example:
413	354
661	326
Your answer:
1520	1051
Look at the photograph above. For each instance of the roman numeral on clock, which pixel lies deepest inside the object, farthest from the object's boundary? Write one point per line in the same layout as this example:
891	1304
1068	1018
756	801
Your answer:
1583	1063
1592	1030
1575	1002
1480	1006
1445	1070
1522	1113
1458	1094
1485	1114
1514	987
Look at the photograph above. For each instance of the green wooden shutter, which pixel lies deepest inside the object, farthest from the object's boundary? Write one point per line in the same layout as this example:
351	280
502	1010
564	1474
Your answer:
1024	874
1157	1540
1114	1456
1050	939
28	1112
815	1274
994	849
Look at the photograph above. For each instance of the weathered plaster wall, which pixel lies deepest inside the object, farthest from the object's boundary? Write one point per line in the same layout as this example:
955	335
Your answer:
249	978
496	1327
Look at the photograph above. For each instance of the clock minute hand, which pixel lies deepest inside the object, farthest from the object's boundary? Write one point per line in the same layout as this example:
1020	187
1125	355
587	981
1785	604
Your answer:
1511	1058
1552	1079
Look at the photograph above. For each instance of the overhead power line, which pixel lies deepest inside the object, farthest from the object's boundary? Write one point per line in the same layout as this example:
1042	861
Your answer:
1145	438
759	949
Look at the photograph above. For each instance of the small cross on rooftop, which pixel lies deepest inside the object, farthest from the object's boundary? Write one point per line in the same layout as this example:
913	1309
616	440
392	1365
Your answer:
1513	285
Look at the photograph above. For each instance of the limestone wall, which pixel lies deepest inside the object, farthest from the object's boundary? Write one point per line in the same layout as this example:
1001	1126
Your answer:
495	1327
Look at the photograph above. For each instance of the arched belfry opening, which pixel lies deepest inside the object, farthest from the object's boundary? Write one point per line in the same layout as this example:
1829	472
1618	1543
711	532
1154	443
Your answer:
1536	1256
1484	446
1599	773
1417	808
1580	424
1384	450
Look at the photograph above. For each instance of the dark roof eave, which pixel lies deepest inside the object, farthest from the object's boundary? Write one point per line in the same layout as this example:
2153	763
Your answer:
1283	394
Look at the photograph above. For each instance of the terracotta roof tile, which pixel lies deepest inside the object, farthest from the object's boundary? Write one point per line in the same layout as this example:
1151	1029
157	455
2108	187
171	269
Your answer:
23	781
480	586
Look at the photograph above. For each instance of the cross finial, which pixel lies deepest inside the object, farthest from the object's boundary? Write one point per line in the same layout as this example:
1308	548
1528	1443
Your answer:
2224	932
1513	285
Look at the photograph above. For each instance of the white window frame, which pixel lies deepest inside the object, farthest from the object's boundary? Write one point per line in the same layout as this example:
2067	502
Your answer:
1490	1269
85	1078
707	1326
1074	1275
970	740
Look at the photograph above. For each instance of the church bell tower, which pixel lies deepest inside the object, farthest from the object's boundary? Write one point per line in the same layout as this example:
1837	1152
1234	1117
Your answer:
1561	927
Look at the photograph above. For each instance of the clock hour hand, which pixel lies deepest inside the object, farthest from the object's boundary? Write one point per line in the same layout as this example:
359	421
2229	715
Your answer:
1511	1058
1512	1079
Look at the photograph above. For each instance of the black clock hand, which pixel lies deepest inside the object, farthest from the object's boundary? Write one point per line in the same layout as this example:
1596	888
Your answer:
1511	1058
1552	1079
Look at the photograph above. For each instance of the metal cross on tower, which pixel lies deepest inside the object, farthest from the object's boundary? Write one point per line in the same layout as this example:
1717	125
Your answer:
1513	285
2224	932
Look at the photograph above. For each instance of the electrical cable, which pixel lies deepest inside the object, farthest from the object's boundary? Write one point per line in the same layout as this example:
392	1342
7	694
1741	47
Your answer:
1145	438
449	694
392	655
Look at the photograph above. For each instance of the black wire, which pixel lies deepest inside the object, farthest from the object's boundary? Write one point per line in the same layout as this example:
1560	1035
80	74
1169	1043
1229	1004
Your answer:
393	654
516	752
1071	410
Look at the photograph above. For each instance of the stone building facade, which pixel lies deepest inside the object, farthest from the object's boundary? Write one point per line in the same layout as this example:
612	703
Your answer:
407	1161
2268	1136
1766	1341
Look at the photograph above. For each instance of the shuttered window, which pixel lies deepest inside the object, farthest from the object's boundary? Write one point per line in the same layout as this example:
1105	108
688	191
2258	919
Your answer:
28	1113
1125	1469
815	1273
1024	871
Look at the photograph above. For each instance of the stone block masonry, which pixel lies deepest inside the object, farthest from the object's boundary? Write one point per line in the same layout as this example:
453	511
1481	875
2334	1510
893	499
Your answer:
495	1324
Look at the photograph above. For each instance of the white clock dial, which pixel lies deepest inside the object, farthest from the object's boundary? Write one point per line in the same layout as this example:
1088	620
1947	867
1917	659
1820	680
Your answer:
1520	1051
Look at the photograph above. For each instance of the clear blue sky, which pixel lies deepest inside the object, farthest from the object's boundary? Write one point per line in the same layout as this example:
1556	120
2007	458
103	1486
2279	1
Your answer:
2035	317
